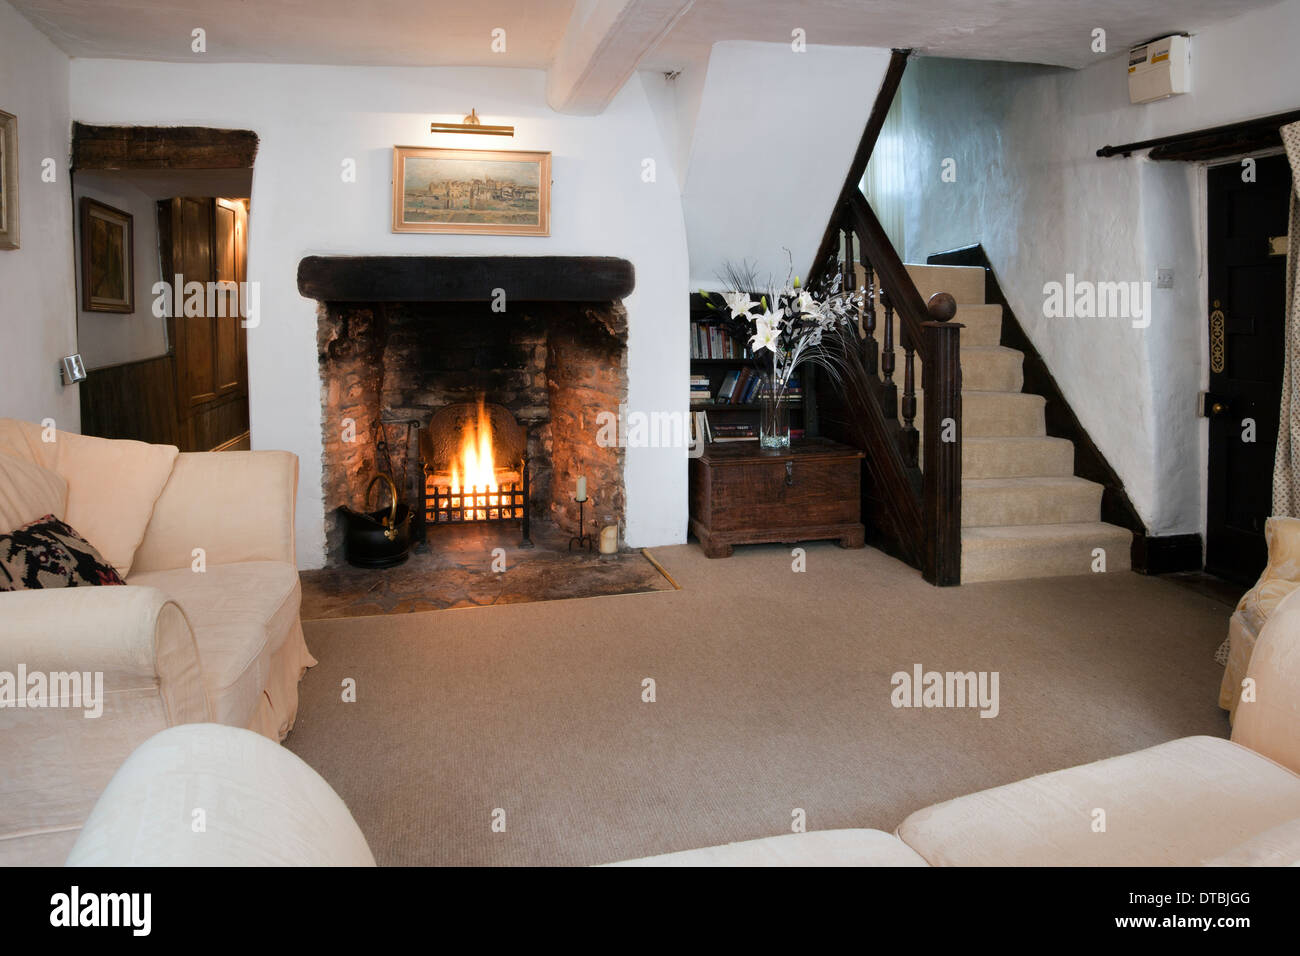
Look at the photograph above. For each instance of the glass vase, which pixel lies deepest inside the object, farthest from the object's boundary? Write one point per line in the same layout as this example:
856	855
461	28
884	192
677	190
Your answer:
773	415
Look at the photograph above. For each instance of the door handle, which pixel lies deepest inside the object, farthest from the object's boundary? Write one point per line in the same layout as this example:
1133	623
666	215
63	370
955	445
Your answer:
789	474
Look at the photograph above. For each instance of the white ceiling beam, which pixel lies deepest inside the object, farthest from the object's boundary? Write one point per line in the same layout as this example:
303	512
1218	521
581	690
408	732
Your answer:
603	44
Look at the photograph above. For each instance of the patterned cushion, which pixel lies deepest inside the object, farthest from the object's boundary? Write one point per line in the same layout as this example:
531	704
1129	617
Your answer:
46	553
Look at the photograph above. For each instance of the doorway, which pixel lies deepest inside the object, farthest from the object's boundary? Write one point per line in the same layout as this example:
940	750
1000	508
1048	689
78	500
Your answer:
167	360
1246	226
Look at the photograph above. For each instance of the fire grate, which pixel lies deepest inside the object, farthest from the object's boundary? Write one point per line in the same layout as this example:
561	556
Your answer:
443	506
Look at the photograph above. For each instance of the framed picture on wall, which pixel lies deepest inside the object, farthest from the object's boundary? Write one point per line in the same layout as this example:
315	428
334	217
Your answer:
107	258
8	180
493	192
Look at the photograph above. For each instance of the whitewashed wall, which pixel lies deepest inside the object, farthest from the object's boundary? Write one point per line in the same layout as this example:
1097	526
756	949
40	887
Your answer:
38	313
310	119
771	142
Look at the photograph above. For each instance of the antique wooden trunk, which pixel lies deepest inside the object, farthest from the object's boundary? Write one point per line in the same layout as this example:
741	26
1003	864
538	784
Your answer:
741	494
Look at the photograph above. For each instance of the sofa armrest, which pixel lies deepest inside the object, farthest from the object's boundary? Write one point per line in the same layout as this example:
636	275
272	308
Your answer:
235	505
137	637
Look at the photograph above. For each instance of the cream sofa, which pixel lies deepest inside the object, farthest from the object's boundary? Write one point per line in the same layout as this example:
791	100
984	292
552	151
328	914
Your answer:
1192	801
1281	576
207	629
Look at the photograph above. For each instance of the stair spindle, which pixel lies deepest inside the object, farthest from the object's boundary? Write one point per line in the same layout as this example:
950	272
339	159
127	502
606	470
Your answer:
870	347
909	437
887	359
850	279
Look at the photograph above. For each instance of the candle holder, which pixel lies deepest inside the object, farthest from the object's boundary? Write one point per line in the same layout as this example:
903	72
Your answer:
583	540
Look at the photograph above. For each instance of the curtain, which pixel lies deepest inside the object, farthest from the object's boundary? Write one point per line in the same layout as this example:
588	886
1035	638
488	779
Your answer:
1286	467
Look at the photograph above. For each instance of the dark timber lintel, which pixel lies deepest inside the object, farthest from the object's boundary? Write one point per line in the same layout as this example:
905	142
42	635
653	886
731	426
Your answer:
465	278
161	147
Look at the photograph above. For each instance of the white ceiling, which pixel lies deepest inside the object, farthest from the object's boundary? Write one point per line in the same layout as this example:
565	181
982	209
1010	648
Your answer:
443	32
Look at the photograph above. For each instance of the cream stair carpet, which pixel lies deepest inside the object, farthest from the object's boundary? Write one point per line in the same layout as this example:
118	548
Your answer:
1024	512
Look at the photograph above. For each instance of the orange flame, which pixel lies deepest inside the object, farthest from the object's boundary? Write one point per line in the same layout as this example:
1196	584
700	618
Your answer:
475	472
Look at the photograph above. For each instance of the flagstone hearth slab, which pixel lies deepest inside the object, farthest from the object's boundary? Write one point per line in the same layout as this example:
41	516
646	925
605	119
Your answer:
456	571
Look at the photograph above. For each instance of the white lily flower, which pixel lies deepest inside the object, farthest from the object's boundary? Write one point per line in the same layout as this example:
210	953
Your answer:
739	303
807	305
766	331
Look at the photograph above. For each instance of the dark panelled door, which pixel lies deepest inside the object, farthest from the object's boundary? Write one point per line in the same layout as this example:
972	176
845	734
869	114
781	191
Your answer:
1247	305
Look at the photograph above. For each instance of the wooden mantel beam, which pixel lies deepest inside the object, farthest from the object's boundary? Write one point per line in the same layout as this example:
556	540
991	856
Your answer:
465	278
603	44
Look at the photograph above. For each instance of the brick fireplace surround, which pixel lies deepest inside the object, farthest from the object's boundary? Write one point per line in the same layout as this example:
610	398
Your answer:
399	337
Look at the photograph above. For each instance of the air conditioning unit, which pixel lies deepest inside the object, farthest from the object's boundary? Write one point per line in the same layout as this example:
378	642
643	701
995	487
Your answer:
1160	68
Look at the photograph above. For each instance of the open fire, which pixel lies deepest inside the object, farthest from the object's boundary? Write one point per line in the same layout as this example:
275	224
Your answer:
463	481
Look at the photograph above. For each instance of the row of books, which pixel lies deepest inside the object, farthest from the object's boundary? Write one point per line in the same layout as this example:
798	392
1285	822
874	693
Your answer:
716	432
712	341
740	387
701	390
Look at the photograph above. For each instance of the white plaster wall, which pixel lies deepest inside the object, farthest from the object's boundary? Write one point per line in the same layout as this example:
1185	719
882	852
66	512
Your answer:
109	338
1031	189
38	313
310	119
771	144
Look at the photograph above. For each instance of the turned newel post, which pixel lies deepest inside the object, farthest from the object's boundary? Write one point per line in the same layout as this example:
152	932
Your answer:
941	480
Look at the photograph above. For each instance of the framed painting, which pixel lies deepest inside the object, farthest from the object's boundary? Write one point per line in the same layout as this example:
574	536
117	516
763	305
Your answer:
491	192
107	258
8	180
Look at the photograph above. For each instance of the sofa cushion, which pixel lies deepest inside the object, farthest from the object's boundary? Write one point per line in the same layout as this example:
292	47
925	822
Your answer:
1177	804
240	615
46	553
28	491
112	485
818	848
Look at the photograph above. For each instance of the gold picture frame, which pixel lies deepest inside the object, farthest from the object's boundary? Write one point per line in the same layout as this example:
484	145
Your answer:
8	180
489	192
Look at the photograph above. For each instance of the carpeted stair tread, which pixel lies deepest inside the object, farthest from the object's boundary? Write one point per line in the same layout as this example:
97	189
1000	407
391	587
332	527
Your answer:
991	368
1009	502
1011	457
1011	552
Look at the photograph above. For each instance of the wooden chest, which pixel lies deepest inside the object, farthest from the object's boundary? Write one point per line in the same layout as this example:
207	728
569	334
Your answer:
741	494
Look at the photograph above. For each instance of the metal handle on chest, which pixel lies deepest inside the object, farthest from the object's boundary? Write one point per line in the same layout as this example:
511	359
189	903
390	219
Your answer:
789	474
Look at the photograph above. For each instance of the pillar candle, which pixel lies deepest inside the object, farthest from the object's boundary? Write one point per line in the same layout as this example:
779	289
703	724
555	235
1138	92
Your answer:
609	539
582	488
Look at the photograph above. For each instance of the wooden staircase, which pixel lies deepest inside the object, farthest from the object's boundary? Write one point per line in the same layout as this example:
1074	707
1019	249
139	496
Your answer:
961	479
1023	512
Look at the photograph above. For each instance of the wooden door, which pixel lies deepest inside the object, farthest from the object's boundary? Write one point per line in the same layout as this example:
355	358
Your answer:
1247	310
227	328
192	261
205	242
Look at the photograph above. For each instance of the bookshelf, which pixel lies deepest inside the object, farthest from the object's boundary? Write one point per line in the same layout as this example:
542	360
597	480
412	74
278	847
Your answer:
737	420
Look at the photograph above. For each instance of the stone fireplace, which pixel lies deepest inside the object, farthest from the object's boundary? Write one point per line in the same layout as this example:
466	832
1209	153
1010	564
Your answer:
400	338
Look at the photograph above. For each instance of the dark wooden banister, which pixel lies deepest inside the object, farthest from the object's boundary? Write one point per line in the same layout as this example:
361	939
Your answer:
922	506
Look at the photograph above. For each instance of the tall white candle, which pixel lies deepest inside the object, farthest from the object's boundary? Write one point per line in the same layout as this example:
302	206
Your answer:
582	488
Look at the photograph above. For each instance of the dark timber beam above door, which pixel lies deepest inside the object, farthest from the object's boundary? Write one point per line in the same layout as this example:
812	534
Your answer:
161	147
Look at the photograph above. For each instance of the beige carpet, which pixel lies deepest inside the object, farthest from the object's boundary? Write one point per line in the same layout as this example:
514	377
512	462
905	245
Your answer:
773	693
